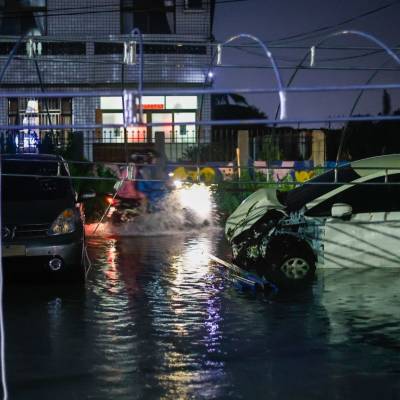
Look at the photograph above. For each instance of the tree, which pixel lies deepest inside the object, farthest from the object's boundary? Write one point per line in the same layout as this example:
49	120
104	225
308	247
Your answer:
234	106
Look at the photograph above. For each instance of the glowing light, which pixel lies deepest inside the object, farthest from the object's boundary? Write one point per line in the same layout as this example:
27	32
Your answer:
110	199
197	198
211	74
171	174
27	140
178	184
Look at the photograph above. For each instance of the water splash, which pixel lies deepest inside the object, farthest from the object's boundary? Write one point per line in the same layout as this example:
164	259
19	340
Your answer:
188	209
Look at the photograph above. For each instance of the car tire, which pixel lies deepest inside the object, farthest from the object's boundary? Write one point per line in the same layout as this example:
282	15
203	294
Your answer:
294	268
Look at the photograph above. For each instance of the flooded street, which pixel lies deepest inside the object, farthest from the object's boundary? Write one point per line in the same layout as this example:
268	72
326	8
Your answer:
157	321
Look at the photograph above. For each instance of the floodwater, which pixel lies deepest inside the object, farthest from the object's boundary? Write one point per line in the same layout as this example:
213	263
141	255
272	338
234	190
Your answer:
156	320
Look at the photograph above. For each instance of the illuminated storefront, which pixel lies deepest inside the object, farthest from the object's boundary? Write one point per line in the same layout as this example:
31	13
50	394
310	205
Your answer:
166	110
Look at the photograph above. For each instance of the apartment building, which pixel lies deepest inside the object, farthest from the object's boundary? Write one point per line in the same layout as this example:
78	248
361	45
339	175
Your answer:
80	45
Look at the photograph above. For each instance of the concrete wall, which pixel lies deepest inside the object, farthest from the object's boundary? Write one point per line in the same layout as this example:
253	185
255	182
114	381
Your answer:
188	22
99	24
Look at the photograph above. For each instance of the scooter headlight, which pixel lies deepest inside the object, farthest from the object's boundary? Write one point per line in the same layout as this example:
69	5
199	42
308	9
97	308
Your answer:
64	223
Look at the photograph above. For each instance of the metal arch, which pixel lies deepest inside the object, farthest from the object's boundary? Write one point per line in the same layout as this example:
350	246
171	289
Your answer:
365	35
278	77
218	54
390	52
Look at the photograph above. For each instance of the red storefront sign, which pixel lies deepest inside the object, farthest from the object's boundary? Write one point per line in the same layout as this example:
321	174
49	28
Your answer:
153	106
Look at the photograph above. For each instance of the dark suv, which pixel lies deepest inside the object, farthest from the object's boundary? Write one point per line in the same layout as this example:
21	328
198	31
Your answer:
42	220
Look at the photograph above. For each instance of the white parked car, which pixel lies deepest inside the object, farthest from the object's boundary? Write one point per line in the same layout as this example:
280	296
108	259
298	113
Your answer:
346	217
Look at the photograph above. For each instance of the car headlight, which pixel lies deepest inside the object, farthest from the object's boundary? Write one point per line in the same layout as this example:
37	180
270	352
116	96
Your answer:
64	223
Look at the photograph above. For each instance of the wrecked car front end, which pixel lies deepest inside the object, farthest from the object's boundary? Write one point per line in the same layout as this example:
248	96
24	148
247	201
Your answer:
267	238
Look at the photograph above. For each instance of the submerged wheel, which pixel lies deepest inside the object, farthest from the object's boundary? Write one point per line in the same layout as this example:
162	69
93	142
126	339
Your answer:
295	268
289	262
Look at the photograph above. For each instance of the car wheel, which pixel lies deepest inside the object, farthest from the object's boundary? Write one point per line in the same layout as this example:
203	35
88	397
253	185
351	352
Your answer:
293	269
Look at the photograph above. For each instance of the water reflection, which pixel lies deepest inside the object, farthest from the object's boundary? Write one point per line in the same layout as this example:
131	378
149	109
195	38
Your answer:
156	320
364	305
184	315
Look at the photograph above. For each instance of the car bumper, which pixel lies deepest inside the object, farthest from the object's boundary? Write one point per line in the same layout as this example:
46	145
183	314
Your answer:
69	250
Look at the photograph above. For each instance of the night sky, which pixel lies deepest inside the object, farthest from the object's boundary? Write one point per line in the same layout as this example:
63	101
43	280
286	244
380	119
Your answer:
273	20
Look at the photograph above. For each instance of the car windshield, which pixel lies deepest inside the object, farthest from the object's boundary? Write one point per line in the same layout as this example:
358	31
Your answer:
33	188
297	198
42	185
34	167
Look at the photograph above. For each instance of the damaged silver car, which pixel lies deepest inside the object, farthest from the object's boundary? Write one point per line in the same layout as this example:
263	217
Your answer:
346	217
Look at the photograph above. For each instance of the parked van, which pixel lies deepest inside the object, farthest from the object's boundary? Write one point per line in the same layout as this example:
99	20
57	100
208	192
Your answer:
42	221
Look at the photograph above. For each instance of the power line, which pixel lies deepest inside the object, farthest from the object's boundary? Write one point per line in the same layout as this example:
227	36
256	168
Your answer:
341	58
228	66
305	47
121	38
311	33
319	68
353	57
328	27
95	10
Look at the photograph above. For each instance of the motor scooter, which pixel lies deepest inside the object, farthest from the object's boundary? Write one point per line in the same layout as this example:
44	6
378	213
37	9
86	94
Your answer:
122	209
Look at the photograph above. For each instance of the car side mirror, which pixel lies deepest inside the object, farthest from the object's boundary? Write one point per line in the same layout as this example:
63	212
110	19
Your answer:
341	210
86	196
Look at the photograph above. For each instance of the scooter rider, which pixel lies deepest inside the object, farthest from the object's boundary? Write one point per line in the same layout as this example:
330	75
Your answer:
126	188
151	182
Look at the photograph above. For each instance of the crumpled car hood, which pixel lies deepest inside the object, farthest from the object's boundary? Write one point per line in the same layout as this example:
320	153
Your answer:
250	211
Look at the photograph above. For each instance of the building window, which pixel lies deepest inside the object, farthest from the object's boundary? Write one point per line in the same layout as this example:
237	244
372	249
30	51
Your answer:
194	5
163	110
185	133
181	102
20	17
42	111
150	16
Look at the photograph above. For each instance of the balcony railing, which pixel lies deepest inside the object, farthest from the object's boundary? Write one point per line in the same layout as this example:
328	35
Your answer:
175	59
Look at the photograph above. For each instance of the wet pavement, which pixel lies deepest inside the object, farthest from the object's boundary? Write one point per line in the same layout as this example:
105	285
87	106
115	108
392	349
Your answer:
157	321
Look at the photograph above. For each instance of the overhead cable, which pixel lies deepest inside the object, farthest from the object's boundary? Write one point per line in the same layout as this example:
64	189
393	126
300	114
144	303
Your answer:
303	35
